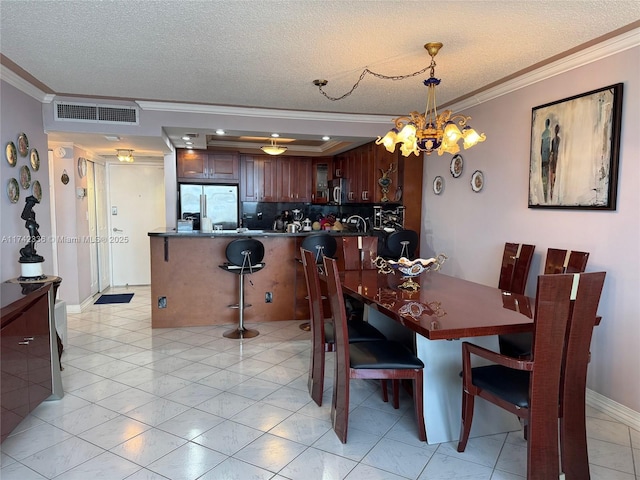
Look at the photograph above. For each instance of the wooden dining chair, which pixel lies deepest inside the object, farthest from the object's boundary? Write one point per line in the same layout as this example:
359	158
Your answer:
322	330
359	252
533	389
371	360
514	271
557	261
565	261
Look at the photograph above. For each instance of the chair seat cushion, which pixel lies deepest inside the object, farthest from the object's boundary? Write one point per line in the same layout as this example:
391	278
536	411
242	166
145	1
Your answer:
359	331
516	344
382	354
509	384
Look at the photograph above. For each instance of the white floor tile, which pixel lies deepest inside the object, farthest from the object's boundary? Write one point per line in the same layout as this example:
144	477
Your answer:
187	462
183	385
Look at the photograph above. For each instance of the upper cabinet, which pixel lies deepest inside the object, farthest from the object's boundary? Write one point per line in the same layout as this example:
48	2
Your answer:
266	178
202	165
322	174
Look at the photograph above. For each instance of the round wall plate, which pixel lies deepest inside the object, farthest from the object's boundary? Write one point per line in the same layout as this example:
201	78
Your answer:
477	181
456	166
438	185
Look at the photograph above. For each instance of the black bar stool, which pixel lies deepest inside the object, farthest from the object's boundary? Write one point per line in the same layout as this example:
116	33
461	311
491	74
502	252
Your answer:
244	258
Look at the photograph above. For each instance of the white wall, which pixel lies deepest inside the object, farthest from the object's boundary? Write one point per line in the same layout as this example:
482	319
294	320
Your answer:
471	228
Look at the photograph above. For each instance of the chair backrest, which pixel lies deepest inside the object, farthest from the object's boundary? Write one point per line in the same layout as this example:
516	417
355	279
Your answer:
359	252
245	252
563	261
339	314
402	244
320	244
514	271
316	309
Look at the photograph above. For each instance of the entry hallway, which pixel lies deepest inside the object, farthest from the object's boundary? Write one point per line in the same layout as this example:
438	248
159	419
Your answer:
189	404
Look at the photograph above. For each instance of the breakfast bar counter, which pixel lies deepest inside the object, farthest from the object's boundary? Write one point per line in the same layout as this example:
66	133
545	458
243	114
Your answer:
188	287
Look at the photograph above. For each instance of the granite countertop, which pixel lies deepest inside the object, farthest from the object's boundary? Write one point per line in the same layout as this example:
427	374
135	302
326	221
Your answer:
170	232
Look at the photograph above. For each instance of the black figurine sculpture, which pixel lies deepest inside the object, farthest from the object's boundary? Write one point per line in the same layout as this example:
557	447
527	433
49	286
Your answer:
28	253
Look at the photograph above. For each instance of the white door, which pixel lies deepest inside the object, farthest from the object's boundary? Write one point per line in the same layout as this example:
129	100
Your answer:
102	225
136	207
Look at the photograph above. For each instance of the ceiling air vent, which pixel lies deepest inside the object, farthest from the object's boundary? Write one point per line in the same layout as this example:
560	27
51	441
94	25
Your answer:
94	113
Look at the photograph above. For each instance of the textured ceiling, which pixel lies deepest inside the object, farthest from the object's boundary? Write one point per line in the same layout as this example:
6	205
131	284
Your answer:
266	53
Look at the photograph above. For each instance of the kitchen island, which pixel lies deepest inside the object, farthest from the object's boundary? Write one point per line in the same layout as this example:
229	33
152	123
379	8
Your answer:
188	287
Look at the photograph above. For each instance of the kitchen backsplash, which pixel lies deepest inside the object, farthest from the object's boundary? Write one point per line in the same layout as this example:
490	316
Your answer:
261	216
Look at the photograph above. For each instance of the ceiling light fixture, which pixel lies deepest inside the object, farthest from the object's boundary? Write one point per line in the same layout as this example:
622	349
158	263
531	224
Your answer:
220	131
273	148
426	132
432	131
125	156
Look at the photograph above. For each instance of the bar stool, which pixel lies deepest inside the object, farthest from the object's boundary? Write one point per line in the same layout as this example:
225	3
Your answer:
244	257
402	244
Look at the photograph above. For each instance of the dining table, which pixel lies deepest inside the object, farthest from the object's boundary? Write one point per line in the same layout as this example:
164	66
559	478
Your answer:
450	310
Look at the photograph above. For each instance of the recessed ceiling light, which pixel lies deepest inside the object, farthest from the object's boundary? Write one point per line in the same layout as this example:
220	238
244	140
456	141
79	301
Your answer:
220	131
188	143
186	138
275	135
112	138
326	137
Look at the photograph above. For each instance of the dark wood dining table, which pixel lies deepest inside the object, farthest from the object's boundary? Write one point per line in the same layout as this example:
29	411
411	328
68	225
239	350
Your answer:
454	309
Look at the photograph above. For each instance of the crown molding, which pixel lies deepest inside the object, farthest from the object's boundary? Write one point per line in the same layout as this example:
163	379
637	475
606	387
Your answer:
261	112
589	55
24	86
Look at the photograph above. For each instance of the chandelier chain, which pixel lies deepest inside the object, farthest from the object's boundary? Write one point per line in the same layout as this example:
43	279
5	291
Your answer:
377	75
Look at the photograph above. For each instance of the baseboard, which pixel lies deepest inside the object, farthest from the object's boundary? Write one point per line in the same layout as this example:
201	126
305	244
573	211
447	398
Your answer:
82	306
615	410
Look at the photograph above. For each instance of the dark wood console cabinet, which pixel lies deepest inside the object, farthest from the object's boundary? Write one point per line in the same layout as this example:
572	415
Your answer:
25	356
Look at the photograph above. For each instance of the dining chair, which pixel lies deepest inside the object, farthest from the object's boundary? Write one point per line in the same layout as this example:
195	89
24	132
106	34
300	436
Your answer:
322	330
383	360
514	271
535	389
557	261
565	261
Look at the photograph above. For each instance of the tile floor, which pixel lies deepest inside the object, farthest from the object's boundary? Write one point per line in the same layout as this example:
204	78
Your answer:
189	404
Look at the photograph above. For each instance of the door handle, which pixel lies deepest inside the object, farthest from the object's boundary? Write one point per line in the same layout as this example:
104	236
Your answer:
117	230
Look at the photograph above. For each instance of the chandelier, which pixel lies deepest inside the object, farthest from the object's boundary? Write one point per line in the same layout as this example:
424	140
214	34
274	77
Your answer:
431	132
125	156
273	148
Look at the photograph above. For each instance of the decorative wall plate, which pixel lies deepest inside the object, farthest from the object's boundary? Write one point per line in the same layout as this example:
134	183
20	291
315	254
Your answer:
477	181
12	154
13	190
64	178
438	185
36	190
23	144
82	166
35	160
25	177
456	166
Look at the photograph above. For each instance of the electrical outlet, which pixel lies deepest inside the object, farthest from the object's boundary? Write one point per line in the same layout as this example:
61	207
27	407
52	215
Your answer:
268	297
162	302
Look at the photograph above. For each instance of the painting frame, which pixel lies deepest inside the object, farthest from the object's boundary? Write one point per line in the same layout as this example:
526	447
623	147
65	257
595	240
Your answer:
574	151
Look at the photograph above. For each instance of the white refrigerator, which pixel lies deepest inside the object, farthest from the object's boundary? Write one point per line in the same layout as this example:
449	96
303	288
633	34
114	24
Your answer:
221	206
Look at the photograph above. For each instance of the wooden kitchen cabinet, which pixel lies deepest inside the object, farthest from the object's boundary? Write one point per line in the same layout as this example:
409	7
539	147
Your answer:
25	358
258	179
216	167
322	174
